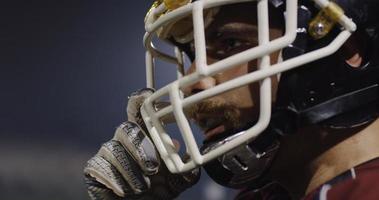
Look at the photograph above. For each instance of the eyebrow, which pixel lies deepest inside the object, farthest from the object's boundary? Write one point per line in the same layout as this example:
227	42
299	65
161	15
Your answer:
240	29
237	27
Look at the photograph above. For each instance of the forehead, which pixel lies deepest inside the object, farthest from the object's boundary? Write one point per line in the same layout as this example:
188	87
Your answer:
246	13
237	13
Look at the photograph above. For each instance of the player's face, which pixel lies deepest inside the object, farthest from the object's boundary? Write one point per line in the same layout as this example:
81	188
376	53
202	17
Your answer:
233	30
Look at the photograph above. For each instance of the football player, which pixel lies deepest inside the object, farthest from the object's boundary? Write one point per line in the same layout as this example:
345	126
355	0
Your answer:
285	93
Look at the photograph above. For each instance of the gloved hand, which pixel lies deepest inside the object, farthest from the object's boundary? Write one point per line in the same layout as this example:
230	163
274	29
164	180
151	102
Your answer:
129	167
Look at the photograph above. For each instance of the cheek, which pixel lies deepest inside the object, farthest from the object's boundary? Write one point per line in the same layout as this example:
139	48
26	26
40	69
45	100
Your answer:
246	97
242	97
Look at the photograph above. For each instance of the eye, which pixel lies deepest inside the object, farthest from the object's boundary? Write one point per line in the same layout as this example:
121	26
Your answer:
228	46
232	43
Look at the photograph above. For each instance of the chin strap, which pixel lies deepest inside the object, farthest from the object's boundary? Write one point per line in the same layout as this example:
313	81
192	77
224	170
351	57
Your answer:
244	165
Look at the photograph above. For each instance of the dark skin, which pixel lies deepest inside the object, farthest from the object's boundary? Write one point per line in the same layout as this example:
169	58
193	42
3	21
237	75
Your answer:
306	159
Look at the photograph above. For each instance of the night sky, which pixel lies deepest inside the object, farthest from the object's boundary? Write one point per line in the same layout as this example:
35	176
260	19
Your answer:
67	68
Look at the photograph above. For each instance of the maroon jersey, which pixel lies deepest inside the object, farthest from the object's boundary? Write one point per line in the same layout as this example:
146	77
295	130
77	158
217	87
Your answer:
361	182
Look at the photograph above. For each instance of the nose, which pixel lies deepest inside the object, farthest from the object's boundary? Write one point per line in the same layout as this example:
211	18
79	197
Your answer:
203	84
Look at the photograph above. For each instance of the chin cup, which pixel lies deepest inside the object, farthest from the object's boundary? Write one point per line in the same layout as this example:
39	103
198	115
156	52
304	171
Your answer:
243	166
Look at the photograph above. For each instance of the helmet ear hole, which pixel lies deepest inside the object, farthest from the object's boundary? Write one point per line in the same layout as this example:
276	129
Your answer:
355	61
355	51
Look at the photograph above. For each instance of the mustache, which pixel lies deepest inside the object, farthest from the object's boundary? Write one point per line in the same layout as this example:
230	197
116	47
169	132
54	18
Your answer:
209	109
215	107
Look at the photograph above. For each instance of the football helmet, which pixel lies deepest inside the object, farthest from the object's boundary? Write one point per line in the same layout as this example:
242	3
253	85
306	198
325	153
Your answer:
314	87
181	21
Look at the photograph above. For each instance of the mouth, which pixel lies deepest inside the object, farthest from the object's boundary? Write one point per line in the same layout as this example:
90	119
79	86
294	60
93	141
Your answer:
216	134
221	131
216	120
211	125
215	128
212	132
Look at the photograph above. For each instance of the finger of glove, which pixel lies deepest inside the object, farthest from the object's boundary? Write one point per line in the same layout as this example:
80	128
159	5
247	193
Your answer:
166	185
98	191
140	147
103	172
116	154
135	102
177	183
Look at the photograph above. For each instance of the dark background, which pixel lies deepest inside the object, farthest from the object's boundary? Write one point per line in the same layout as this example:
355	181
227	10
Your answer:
66	68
